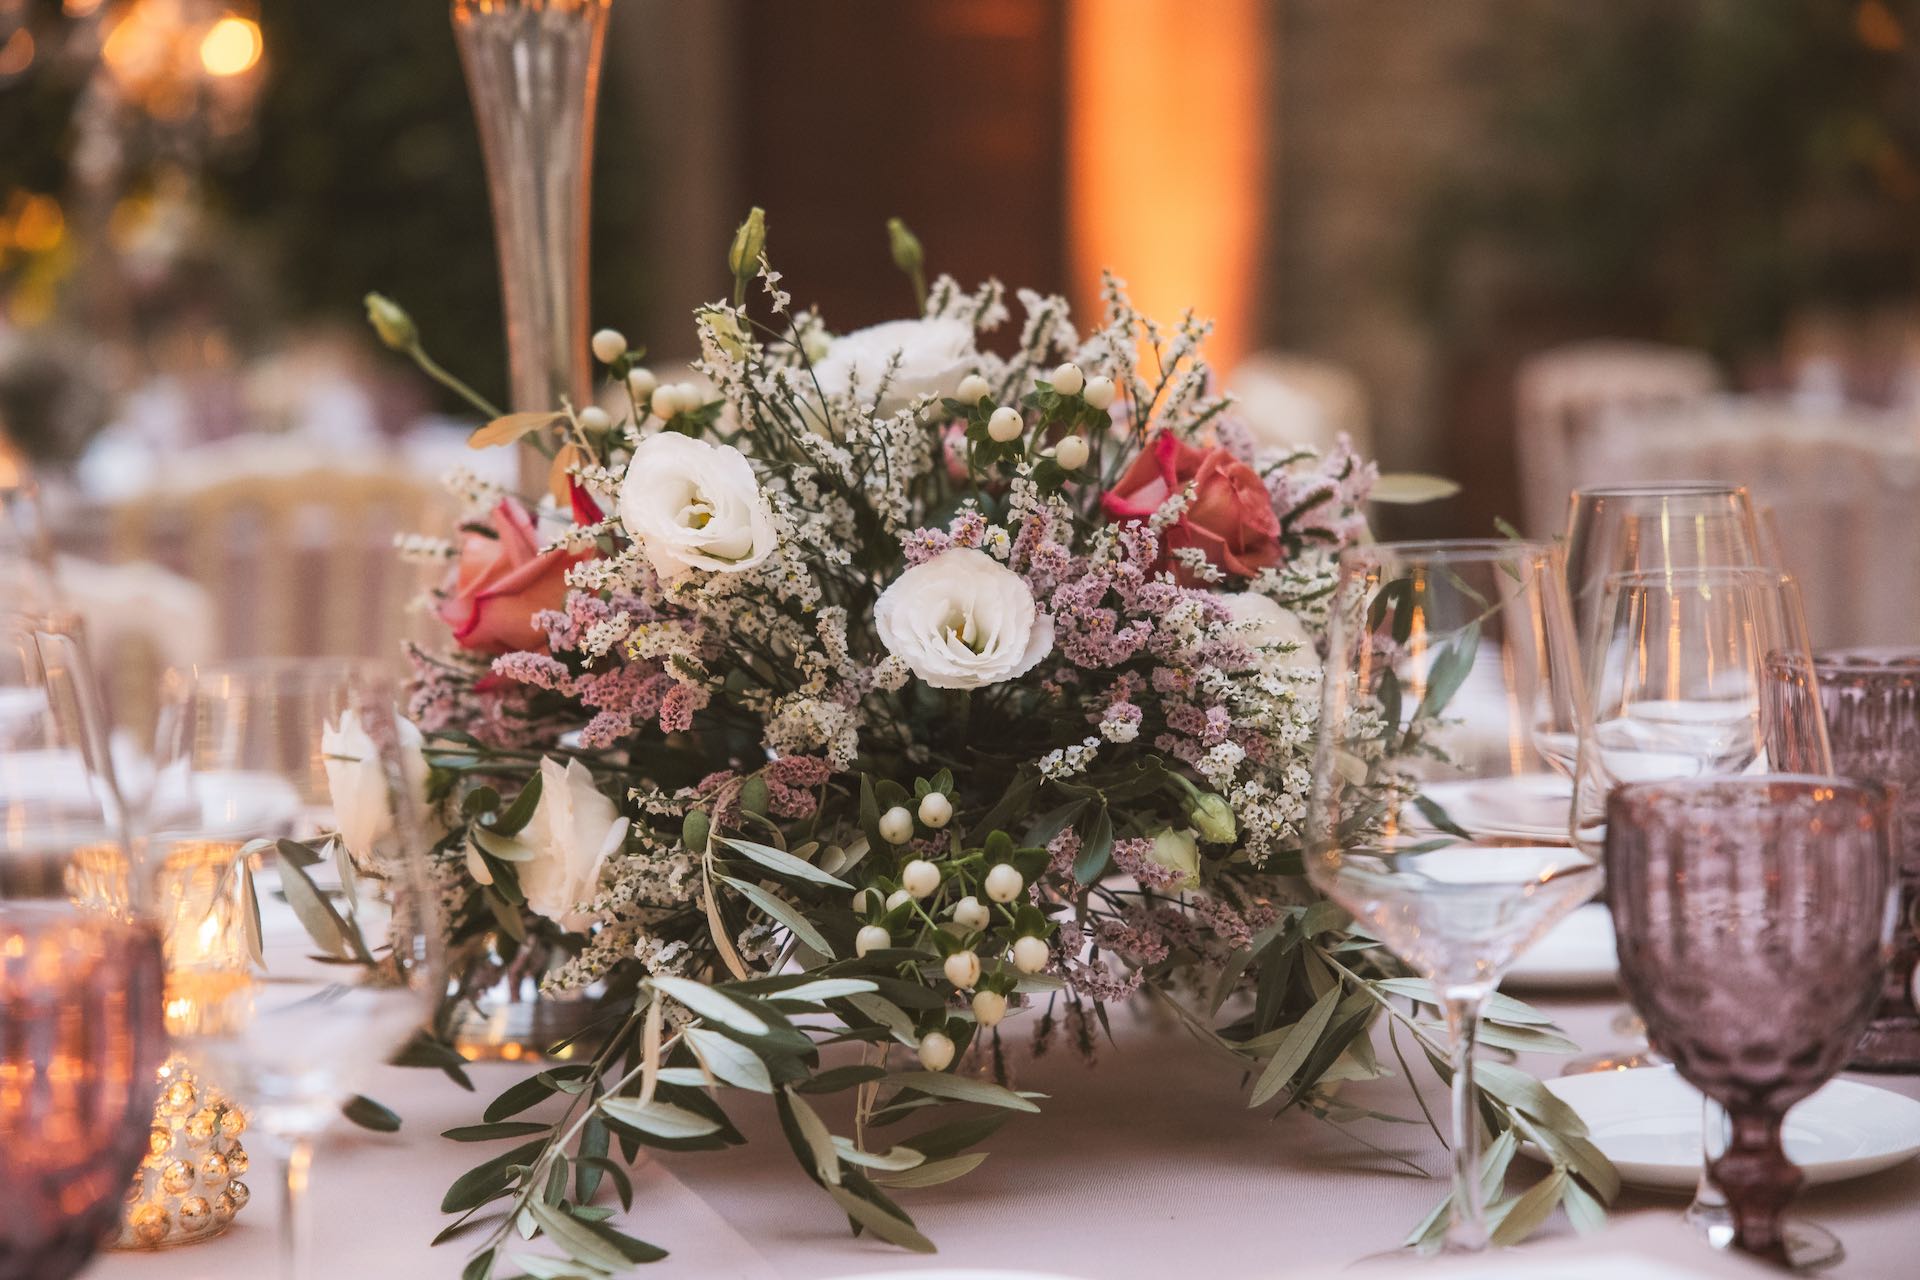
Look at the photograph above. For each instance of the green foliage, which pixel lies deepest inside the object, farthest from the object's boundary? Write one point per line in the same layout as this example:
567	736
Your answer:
1696	168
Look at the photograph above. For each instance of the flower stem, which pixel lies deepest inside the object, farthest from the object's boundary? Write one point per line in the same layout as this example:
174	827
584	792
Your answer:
432	369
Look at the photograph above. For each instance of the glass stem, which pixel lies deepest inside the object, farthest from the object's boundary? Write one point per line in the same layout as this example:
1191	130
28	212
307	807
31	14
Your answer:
296	1236
1709	1213
1467	1232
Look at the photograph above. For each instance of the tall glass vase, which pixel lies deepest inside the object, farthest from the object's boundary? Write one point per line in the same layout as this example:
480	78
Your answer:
533	71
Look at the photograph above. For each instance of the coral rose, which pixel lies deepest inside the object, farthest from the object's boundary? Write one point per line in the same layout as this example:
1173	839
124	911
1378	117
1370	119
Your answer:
503	580
1230	517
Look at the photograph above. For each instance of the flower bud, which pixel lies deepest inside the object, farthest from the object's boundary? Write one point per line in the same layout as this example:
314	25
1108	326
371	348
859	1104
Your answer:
641	382
689	396
609	345
871	938
972	390
1006	424
1212	818
1004	883
896	825
1099	392
1071	453
665	401
394	325
1030	954
936	1051
898	898
989	1007
593	418
905	247
1068	380
920	878
963	970
749	242
936	811
971	914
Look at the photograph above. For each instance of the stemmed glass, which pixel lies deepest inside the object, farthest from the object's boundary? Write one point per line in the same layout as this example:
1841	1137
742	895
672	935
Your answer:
1437	816
81	988
1631	528
1752	916
1698	673
1871	697
321	955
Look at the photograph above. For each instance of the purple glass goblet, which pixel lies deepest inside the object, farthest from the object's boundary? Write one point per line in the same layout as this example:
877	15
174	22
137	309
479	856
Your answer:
1871	698
1752	916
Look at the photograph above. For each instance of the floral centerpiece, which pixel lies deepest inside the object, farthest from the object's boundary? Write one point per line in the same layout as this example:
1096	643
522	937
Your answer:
876	698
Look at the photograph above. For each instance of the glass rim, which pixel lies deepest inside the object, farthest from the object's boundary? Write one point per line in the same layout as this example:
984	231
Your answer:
1665	489
1893	661
1869	794
1735	574
1464	549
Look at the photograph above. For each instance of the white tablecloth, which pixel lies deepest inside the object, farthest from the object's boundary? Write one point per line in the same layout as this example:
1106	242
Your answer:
1148	1163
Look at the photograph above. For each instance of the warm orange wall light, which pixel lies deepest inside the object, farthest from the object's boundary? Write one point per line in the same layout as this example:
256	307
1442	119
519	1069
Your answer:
1167	157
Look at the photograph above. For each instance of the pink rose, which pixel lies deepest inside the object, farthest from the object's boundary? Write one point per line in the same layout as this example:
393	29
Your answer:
1230	517
503	580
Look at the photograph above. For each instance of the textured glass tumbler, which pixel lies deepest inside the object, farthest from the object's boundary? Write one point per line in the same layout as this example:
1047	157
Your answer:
1752	916
1872	702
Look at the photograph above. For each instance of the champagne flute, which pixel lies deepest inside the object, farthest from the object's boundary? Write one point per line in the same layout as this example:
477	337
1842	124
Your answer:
81	985
1437	818
340	964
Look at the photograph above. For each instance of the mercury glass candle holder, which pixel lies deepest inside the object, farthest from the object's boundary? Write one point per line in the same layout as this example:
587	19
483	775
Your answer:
188	1188
1871	698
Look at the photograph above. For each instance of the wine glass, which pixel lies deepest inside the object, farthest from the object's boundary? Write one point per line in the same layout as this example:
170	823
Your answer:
1872	701
81	985
1437	818
1701	672
1752	916
319	955
1627	528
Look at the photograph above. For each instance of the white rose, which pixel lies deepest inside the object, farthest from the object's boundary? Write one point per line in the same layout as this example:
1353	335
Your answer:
934	356
962	620
357	780
1179	853
573	831
1261	622
692	504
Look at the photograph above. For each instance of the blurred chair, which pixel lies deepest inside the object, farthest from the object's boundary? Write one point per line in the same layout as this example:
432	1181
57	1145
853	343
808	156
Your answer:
1563	391
1287	399
298	562
1842	486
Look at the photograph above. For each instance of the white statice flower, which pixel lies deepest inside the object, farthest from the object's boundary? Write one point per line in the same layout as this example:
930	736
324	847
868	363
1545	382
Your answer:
573	831
962	620
358	783
1275	634
914	358
691	504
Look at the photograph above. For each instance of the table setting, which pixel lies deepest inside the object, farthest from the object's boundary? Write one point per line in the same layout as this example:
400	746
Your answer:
945	798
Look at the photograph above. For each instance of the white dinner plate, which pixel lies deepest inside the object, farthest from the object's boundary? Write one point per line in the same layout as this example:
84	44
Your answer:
1647	1121
1576	955
1529	806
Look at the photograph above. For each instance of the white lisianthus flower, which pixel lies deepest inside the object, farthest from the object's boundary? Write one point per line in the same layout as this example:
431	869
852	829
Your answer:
1263	623
357	780
574	830
934	356
963	620
692	504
